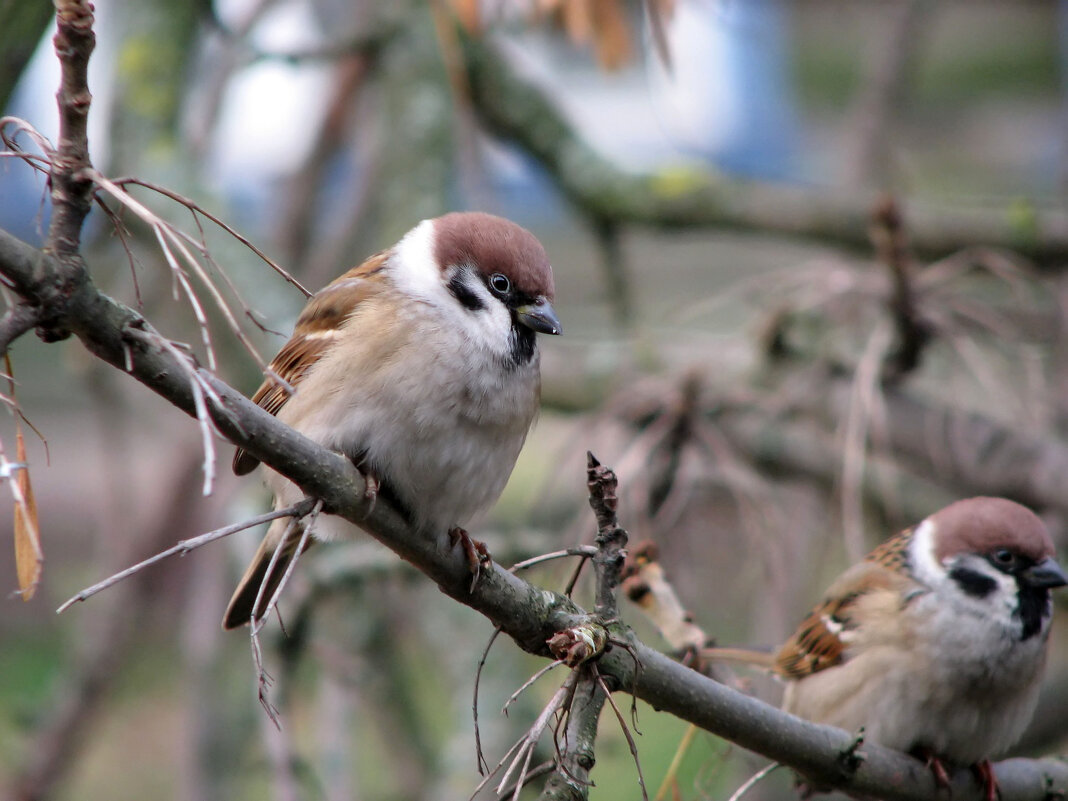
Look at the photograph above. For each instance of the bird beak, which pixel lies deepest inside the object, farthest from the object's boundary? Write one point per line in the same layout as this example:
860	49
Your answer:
1046	573
539	316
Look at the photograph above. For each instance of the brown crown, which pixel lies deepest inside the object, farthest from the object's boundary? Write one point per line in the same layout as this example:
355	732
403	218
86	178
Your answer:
979	525
494	245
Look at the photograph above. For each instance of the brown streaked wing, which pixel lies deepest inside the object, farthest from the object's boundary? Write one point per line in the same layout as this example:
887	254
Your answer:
311	338
893	553
822	638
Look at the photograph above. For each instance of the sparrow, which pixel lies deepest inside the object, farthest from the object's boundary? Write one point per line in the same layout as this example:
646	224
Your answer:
934	644
420	365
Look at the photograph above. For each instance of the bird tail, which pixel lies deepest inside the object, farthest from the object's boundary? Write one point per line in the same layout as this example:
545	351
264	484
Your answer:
241	608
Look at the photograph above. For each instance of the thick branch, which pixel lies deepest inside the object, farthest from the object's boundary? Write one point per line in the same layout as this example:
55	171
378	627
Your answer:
571	779
821	753
71	190
513	109
527	613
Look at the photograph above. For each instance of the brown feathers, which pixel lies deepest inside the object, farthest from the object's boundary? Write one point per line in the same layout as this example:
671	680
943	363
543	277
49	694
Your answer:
822	639
316	330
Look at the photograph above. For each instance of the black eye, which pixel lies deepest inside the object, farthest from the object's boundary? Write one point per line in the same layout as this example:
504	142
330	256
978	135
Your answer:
500	284
1003	557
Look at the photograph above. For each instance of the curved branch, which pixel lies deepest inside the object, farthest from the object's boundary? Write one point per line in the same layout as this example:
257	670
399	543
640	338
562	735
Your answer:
529	614
515	110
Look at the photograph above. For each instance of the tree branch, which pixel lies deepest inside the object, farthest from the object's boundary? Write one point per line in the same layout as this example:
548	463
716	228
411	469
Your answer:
513	109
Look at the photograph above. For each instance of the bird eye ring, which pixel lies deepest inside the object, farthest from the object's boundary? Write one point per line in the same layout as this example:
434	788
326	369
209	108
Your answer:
500	284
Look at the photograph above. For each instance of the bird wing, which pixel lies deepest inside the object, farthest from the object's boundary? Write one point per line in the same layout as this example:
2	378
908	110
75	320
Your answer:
877	586
314	334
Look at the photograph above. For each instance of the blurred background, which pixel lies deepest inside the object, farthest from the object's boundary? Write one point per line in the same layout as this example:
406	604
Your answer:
809	261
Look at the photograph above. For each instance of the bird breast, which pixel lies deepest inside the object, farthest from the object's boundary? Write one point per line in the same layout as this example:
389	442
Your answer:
434	416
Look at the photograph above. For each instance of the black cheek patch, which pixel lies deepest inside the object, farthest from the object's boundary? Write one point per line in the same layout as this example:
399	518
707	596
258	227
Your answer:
463	293
972	582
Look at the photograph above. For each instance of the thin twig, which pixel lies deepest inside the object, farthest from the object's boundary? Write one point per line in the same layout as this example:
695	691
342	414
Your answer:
196	209
304	536
256	624
541	672
481	765
748	784
185	546
199	388
626	730
585	551
518	752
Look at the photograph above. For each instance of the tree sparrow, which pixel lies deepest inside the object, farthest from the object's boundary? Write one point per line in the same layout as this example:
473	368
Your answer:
421	366
936	642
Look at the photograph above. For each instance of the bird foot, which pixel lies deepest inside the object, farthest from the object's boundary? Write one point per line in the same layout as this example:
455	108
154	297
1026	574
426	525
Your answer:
371	484
984	773
935	765
476	552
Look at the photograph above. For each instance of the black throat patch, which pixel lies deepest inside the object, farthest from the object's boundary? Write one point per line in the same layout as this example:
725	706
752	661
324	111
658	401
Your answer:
1033	605
522	342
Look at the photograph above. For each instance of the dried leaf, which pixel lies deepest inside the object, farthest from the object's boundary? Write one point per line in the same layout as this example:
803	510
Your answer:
469	13
29	558
612	37
575	17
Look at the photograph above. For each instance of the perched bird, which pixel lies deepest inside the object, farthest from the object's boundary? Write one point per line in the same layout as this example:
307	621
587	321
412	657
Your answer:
422	367
936	642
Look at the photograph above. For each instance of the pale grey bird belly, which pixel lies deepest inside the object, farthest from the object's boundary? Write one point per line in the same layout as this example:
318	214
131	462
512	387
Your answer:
964	701
445	452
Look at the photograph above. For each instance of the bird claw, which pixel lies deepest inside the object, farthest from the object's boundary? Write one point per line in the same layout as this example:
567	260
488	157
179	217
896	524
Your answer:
475	550
934	764
984	772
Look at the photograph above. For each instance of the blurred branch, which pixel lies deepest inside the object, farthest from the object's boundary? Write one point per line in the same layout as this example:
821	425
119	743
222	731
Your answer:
515	110
882	96
21	27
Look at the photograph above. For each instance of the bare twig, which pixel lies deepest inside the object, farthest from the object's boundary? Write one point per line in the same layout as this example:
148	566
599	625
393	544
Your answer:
611	537
185	546
480	759
626	731
520	753
199	387
198	210
256	624
585	551
749	783
541	672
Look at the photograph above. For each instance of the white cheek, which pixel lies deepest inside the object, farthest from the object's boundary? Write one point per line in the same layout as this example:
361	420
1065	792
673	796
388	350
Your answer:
1001	602
416	273
921	554
414	266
